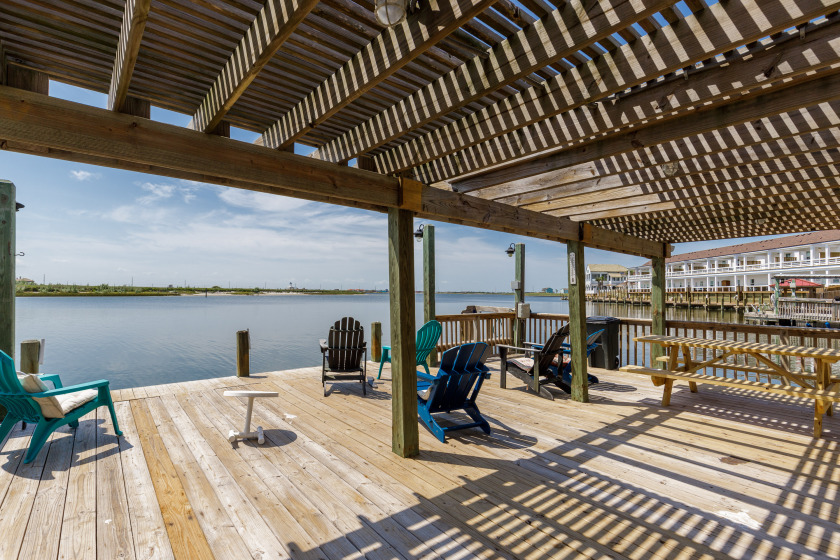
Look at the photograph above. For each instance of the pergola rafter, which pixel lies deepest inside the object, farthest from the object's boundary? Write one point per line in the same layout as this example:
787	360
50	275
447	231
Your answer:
128	47
559	34
556	115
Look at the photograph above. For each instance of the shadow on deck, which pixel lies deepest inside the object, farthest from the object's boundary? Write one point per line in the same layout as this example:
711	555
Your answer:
721	473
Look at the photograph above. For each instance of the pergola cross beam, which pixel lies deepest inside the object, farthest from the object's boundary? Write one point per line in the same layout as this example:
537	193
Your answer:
128	48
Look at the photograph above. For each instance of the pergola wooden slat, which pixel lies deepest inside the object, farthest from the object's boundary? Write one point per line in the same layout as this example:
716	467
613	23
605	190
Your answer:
618	124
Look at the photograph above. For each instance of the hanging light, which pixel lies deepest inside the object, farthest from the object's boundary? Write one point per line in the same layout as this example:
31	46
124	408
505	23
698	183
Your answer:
510	250
390	12
419	233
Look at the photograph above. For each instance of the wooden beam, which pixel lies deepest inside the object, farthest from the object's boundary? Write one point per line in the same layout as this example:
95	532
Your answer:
811	128
131	33
388	52
577	320
559	34
752	190
822	89
275	22
761	159
27	79
405	435
555	113
429	287
748	181
7	267
62	129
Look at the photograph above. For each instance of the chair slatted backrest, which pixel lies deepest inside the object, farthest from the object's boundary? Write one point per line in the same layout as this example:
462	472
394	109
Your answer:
462	373
552	346
12	395
346	344
427	339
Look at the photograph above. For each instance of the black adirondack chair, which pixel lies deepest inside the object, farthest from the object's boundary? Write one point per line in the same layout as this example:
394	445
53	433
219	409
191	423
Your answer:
541	362
344	353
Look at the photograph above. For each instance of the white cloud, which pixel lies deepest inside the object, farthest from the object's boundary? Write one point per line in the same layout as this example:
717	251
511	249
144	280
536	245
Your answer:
163	191
81	175
262	202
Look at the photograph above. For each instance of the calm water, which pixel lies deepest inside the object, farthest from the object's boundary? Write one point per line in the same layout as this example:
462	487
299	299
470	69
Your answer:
136	341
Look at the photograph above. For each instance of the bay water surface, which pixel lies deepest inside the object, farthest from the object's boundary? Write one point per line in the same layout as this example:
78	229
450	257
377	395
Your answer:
137	341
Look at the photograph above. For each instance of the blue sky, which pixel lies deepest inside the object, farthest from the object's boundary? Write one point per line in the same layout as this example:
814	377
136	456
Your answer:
90	225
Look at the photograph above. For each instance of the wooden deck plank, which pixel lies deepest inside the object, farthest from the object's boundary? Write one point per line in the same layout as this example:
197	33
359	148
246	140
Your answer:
246	519
78	528
113	521
43	534
185	535
148	531
289	511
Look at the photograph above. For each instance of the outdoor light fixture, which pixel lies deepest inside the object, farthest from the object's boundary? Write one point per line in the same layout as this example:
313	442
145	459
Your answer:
510	250
390	12
419	233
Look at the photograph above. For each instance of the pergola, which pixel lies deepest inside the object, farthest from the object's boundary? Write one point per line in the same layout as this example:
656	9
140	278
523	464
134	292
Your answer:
624	125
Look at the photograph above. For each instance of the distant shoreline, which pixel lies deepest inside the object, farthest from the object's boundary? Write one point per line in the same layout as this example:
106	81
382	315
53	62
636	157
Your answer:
202	293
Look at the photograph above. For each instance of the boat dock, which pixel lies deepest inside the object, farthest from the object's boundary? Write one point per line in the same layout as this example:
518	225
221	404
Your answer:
731	474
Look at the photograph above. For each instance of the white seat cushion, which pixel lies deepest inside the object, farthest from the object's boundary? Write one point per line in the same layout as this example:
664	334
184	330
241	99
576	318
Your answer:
71	401
50	406
524	364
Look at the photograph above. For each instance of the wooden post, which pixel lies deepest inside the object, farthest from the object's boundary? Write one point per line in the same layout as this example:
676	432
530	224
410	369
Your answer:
376	341
7	268
404	431
243	348
577	321
30	352
657	304
429	282
519	294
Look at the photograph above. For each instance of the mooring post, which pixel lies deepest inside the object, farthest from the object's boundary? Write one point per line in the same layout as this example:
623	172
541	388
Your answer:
7	268
243	353
30	354
376	341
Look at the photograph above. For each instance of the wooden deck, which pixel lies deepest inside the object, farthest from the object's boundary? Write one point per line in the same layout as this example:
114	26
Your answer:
718	474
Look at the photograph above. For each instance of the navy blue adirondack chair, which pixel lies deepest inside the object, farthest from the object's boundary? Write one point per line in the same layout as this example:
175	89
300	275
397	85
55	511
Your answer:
564	379
455	387
21	405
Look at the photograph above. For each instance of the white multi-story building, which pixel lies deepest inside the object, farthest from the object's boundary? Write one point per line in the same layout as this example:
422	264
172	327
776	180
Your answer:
749	265
603	277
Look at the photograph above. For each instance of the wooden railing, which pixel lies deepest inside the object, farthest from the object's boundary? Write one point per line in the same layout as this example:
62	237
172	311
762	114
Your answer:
492	328
497	328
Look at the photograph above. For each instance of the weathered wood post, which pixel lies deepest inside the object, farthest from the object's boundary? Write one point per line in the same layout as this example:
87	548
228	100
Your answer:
519	293
376	341
243	349
657	304
429	282
30	353
404	431
577	321
7	268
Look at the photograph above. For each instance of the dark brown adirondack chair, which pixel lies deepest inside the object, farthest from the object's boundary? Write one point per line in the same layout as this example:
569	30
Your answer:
542	363
344	353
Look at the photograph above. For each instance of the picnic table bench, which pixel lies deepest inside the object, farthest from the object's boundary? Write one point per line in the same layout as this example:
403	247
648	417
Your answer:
682	366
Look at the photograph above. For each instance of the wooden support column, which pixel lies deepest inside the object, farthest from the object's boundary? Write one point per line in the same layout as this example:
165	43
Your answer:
404	430
519	293
577	321
657	304
7	267
429	282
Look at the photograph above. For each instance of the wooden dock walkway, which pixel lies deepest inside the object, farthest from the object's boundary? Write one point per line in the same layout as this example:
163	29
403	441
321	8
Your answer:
718	474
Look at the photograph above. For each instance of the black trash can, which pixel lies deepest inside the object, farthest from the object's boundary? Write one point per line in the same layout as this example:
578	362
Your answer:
605	356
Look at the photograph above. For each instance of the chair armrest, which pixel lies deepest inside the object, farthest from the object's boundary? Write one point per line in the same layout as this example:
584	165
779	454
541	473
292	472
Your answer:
323	343
426	376
53	377
514	348
72	388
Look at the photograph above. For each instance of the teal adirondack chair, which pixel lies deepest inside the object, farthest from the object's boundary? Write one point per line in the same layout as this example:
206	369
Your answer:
22	406
427	339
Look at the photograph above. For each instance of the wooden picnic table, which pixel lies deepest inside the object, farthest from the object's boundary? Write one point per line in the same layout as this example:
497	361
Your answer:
682	366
